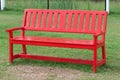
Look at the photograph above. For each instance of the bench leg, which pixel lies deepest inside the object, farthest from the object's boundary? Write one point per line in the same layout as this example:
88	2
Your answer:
10	53
95	60
104	53
24	49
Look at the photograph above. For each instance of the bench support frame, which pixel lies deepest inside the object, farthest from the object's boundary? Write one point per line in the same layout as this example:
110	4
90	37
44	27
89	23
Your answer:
67	21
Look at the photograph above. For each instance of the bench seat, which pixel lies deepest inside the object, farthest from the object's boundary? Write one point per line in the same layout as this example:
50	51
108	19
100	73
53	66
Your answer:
53	40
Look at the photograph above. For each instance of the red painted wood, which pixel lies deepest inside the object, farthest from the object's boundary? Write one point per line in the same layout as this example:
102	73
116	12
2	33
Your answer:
87	22
101	62
81	22
50	20
68	21
24	19
105	22
34	19
10	48
55	59
39	20
28	19
99	26
75	22
61	26
93	22
103	52
56	40
13	29
55	20
44	19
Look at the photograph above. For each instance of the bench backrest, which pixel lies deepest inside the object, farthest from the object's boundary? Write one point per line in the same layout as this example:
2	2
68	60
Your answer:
78	21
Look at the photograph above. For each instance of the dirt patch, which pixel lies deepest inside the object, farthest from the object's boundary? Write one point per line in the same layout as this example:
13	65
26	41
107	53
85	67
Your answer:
29	72
23	72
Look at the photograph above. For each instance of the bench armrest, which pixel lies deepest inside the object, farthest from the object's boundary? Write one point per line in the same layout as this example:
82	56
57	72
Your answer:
13	29
98	34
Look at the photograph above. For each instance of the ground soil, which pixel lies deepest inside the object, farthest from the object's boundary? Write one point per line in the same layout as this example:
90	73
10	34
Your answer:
25	72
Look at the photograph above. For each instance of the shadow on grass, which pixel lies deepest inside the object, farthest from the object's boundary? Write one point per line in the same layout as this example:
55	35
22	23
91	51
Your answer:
114	13
11	11
80	67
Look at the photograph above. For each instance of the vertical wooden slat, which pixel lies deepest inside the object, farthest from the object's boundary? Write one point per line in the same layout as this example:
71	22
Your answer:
75	21
24	19
99	26
39	19
28	19
81	21
62	21
87	22
69	21
105	21
102	26
50	15
33	19
93	22
44	20
55	20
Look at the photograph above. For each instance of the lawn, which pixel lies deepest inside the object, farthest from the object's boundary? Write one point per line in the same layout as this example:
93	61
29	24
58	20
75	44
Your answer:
22	67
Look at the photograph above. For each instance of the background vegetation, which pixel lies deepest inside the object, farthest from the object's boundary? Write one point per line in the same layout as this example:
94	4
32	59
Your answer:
63	4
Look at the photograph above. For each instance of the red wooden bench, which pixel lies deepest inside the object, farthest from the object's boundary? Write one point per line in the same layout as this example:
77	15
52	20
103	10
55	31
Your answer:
66	21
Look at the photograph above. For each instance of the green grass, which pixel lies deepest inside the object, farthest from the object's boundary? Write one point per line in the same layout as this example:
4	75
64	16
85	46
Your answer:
111	71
